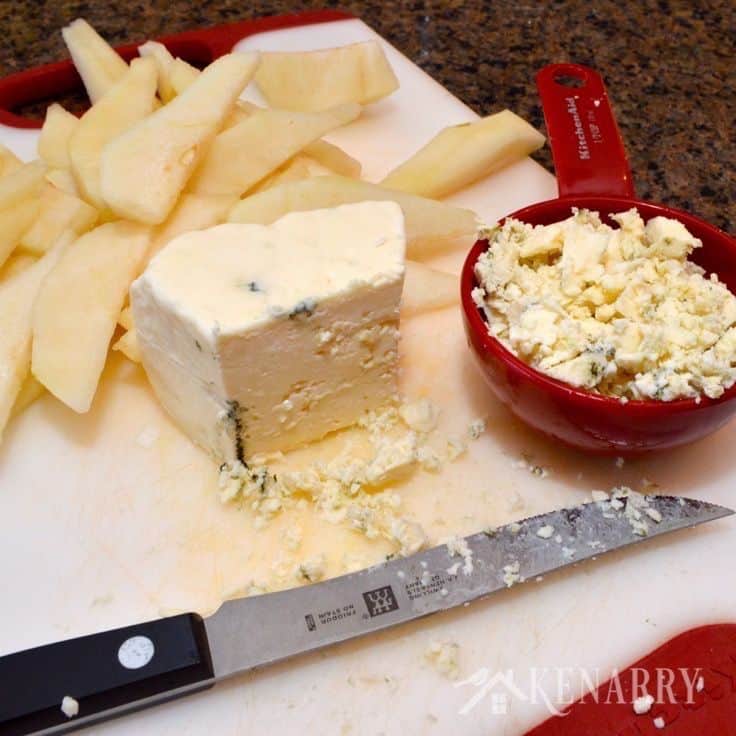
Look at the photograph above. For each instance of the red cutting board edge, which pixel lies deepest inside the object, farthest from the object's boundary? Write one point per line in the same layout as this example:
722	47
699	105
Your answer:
712	648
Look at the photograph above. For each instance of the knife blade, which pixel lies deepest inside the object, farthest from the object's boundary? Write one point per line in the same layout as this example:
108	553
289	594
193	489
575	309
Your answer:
114	672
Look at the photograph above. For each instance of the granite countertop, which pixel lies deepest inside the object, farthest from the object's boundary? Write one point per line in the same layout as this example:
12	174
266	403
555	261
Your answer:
670	66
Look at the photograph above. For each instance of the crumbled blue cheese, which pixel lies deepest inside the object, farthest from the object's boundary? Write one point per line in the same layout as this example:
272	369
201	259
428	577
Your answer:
453	569
658	722
476	428
69	706
511	574
620	311
311	570
443	656
459	546
546	531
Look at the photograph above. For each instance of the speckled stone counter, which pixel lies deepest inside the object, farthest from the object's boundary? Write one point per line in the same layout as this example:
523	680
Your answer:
670	66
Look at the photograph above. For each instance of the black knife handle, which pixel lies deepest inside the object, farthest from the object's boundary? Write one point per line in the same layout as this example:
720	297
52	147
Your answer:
108	674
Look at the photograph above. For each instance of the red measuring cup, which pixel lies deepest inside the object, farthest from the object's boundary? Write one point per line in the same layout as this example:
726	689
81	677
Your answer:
593	173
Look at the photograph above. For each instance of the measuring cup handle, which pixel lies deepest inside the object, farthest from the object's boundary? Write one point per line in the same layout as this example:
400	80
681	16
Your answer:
588	152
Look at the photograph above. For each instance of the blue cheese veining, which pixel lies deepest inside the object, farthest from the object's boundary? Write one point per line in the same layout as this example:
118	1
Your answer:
258	339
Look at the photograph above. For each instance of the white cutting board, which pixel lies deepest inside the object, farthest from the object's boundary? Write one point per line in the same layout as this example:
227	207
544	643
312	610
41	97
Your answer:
100	531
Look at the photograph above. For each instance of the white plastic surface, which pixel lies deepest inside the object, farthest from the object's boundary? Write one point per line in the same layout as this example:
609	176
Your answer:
111	518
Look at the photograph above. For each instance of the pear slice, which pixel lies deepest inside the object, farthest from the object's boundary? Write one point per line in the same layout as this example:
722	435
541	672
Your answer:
9	162
99	65
14	221
431	226
17	263
78	306
461	154
333	158
24	182
192	212
30	390
427	289
127	344
53	142
163	59
144	170
126	103
295	169
181	75
63	179
310	81
17	298
246	153
58	211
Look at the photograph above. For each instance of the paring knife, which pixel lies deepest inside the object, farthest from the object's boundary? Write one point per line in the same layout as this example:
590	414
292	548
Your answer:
115	672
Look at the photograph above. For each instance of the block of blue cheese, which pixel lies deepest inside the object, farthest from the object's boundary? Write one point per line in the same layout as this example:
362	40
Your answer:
258	338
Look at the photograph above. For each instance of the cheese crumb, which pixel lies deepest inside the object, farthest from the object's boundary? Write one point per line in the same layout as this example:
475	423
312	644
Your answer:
546	531
311	570
620	311
443	656
476	428
69	706
511	574
658	722
421	415
459	546
643	704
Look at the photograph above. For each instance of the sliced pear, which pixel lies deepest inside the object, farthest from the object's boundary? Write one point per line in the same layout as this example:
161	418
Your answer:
427	289
53	143
99	65
25	181
461	154
17	263
315	80
30	390
181	75
63	179
246	153
126	103
127	344
333	158
9	162
295	169
58	212
17	298
431	226
14	221
163	58
192	212
78	306
145	169
125	318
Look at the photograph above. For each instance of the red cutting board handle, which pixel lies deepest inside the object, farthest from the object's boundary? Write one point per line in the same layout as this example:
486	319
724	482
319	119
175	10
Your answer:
709	712
199	47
